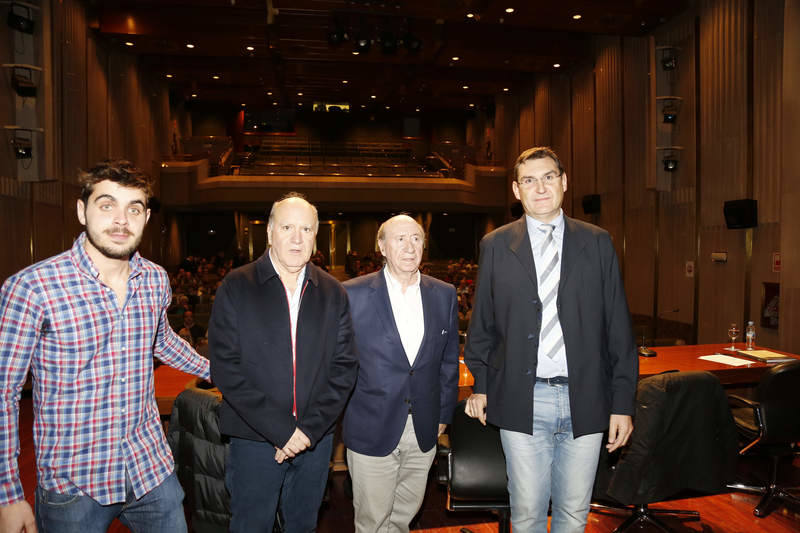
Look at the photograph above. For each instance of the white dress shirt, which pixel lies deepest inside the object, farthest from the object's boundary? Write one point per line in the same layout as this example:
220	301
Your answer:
407	311
546	367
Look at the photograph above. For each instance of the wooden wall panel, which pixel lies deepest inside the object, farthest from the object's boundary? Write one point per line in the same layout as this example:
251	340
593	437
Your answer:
97	120
582	179
527	121
639	259
46	241
561	126
676	246
767	74
542	115
766	241
609	137
790	185
15	219
725	147
74	101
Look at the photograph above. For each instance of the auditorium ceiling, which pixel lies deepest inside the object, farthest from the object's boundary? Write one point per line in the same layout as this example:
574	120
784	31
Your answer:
411	54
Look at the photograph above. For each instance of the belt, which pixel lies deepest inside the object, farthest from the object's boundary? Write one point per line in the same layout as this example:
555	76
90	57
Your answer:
555	380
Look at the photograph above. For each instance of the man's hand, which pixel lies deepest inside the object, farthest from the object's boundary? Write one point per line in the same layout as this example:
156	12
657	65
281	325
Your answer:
279	455
620	428
442	427
476	407
296	443
17	517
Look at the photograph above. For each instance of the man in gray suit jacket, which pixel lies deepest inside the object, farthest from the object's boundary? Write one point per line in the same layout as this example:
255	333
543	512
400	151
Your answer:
551	349
405	328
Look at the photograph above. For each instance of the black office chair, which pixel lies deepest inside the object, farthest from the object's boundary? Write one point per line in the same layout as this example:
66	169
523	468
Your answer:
474	468
683	440
771	425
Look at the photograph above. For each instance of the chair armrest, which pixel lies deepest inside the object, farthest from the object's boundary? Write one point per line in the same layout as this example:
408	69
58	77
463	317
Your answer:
734	400
443	465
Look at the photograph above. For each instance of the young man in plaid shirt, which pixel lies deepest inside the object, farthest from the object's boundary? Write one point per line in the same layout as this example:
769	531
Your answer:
87	323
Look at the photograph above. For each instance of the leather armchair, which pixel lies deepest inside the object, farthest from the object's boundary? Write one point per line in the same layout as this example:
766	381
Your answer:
475	468
683	440
771	426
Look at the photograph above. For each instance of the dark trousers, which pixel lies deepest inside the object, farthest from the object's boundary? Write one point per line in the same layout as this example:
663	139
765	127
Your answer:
257	483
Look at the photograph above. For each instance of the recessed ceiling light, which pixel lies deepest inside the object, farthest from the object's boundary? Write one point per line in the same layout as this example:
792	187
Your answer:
576	16
214	77
509	10
299	94
128	43
455	58
269	93
345	82
387	107
465	86
249	48
417	110
362	105
355	52
373	96
472	105
505	89
244	105
194	95
169	75
189	45
299	103
556	65
274	103
470	15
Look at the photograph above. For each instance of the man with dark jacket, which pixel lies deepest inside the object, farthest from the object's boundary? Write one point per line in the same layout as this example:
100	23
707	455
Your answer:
280	339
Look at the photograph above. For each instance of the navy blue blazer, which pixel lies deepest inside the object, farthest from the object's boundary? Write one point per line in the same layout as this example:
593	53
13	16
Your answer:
388	388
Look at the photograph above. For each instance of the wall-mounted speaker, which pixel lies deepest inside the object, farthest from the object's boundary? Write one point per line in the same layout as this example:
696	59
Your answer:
741	213
591	204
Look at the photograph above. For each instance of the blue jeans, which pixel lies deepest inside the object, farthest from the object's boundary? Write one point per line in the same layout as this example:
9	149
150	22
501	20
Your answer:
550	465
158	511
257	483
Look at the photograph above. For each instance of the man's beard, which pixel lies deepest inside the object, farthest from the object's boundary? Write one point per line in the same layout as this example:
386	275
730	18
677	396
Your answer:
113	253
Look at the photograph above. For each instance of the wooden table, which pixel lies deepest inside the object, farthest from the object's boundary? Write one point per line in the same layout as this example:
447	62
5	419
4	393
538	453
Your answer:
168	384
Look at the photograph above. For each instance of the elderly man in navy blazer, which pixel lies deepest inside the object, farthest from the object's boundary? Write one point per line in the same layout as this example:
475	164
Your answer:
406	338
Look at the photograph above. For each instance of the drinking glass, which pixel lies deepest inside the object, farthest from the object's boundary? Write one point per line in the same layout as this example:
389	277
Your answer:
733	332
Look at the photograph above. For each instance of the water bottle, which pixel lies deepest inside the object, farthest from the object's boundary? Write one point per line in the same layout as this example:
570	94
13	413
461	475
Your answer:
750	335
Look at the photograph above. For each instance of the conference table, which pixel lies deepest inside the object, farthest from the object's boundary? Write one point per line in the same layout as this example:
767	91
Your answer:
170	382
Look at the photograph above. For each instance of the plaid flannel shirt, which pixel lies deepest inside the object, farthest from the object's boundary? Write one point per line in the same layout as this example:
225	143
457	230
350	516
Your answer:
92	363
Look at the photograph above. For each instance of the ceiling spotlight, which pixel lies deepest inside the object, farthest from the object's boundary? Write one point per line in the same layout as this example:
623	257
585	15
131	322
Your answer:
128	43
355	52
417	110
345	82
576	16
670	165
472	105
556	65
465	86
337	36
299	94
362	105
373	96
387	107
509	10
194	95
299	103
470	15
362	45
189	45
214	77
274	103
505	89
244	105
169	75
670	116
668	62
455	58
249	48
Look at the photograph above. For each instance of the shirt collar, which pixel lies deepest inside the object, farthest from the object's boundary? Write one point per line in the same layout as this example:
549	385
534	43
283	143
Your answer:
557	222
300	277
395	285
81	259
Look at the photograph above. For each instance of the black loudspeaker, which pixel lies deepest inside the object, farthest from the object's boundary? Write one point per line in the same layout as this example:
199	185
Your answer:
591	204
741	213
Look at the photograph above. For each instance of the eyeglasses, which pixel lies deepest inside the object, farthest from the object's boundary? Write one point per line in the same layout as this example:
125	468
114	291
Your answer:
547	180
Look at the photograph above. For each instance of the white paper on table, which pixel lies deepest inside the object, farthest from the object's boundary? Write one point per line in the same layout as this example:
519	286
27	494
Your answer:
726	360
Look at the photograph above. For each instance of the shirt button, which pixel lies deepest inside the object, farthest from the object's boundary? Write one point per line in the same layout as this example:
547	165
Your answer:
122	410
124	380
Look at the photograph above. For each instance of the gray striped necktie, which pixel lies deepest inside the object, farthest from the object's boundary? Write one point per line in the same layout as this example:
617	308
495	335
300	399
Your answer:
551	339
